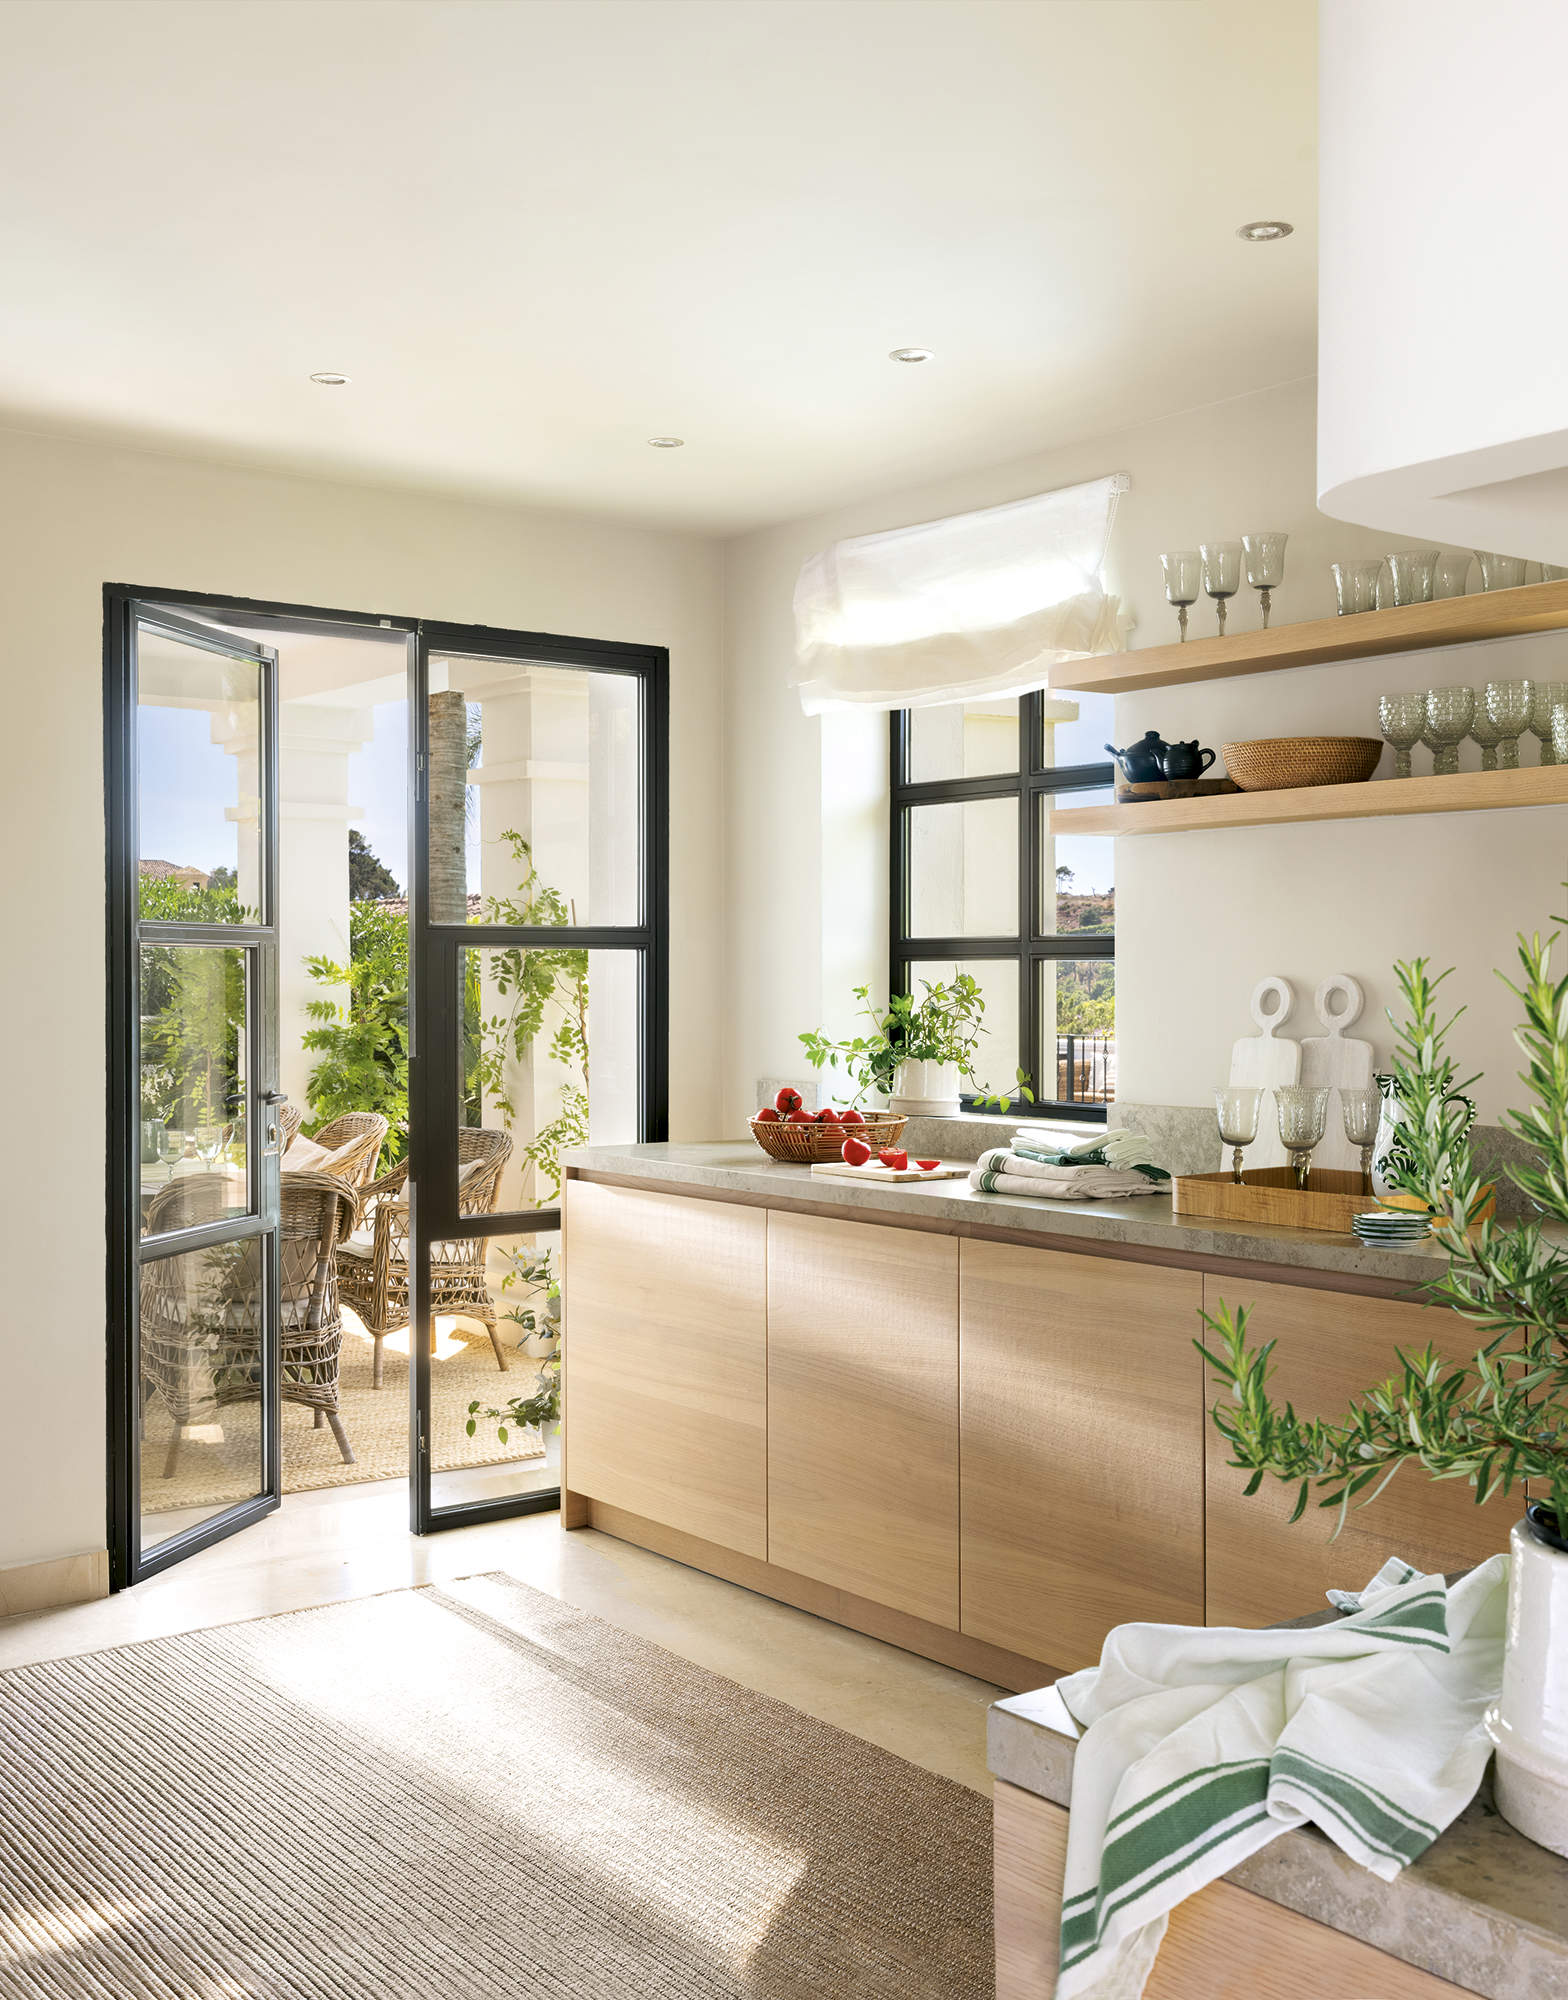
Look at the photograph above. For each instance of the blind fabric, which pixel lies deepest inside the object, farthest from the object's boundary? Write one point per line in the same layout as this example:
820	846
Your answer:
977	604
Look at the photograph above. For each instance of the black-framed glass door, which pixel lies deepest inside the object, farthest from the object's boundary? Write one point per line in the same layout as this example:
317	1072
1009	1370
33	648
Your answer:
539	956
195	1113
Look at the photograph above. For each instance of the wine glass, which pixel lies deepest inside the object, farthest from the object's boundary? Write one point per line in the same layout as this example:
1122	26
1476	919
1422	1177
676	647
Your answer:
1361	1110
1183	568
1508	704
1236	1105
1484	730
1500	573
1265	554
1548	695
1221	573
171	1147
1411	570
1453	574
1302	1109
1355	585
1560	732
1449	714
1401	718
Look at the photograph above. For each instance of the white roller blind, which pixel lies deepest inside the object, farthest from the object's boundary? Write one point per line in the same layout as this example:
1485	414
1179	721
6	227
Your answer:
978	604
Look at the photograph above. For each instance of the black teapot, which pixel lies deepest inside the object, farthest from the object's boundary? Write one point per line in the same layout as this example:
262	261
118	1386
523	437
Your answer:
1141	763
1184	760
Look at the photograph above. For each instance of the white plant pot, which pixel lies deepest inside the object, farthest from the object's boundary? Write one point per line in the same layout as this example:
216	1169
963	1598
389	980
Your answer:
1529	1726
925	1090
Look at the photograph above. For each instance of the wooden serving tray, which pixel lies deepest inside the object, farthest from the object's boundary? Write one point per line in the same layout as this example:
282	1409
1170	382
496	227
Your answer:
1173	788
1269	1194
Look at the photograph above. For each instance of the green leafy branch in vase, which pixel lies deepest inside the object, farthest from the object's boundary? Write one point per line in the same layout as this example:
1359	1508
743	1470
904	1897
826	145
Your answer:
1501	1417
942	1024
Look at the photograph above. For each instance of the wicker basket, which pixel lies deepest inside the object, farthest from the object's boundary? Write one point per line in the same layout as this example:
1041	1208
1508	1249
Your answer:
1281	763
799	1145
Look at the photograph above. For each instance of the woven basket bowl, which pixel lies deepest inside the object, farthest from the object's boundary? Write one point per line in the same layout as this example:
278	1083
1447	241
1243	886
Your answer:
799	1145
1280	763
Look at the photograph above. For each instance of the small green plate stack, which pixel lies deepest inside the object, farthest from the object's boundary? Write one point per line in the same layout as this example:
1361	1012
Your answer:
1392	1225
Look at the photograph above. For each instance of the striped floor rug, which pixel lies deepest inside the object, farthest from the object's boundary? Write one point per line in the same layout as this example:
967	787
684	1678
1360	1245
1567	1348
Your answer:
470	1791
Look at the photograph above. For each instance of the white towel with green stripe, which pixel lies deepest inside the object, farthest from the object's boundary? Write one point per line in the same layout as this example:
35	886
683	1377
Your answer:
1200	1746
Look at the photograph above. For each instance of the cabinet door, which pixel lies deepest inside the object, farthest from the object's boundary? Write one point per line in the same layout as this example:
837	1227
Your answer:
1081	1440
863	1411
1332	1346
666	1360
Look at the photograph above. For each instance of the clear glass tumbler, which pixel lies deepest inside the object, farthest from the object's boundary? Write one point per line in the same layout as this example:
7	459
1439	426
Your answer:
1236	1105
1548	695
1453	574
1402	721
1500	572
1302	1109
1361	1110
1508	704
1553	572
1355	585
1265	554
1412	571
1449	714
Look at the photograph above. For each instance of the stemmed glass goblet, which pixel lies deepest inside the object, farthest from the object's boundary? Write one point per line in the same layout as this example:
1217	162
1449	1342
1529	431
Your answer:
1401	719
1265	554
1361	1110
1449	714
1236	1105
1221	573
171	1146
1548	695
1484	730
1508	706
1183	573
1302	1109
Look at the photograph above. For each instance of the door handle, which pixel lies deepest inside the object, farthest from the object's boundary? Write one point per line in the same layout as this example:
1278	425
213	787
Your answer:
272	1136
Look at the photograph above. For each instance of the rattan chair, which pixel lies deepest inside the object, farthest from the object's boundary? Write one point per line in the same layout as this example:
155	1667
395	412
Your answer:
289	1119
355	1140
200	1325
374	1265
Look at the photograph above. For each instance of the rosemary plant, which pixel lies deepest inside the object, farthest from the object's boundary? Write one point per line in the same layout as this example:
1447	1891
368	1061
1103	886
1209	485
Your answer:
1500	1418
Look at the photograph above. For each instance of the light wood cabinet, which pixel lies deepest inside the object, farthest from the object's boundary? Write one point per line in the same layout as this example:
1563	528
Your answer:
666	1360
1332	1345
1081	1443
863	1410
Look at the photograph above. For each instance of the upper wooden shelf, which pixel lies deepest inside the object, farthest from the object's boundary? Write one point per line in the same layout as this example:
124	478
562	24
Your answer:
1466	791
1406	628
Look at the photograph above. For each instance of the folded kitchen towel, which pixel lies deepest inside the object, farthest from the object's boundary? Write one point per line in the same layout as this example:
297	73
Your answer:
1001	1172
1200	1746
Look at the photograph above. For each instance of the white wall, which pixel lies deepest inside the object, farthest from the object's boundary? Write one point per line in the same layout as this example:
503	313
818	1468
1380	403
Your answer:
1201	916
74	516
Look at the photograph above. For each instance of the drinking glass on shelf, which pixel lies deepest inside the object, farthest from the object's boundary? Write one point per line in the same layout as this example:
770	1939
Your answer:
1265	554
1355	585
1449	714
1500	572
1553	572
171	1146
1402	720
1236	1105
1361	1111
1221	573
1548	695
1183	581
1303	1112
1560	732
1412	570
1484	730
1453	574
1508	704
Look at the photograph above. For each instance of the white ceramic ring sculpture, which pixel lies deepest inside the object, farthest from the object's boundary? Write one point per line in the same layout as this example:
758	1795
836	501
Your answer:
1355	1000
1283	992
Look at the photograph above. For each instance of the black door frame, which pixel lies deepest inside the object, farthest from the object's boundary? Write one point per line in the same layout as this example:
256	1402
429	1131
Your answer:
432	1040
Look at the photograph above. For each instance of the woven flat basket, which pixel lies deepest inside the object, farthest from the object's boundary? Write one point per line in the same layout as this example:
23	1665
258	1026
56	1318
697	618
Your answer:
1281	763
800	1145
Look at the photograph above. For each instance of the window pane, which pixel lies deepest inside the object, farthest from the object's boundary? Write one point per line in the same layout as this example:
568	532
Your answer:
963	869
536	1019
1078	1023
519	1286
534	793
200	1340
1077	880
971	739
192	1085
1077	728
996	1059
198	754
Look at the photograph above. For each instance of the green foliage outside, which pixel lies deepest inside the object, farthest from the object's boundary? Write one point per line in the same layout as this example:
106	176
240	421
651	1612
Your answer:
363	1041
1086	997
369	878
192	1004
1501	1417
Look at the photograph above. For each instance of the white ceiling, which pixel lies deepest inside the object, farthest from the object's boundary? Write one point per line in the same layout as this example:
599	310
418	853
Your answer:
536	232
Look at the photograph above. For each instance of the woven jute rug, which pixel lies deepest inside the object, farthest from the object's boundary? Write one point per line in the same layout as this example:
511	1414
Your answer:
471	1791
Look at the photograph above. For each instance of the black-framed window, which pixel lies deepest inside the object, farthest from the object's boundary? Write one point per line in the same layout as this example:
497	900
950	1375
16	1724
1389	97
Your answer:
988	878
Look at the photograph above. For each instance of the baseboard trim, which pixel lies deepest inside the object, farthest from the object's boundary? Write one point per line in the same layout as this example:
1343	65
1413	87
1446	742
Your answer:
42	1586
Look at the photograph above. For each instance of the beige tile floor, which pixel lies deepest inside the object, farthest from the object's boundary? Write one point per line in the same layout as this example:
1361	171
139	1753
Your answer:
353	1542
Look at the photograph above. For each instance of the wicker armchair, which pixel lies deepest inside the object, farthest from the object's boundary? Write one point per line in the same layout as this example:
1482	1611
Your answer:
289	1120
200	1312
375	1277
355	1140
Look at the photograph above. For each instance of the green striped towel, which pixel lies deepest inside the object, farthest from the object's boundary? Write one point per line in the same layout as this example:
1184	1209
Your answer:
1201	1745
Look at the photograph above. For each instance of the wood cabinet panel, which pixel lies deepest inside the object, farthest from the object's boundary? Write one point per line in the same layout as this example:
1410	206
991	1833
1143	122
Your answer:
1081	1443
1332	1346
863	1411
666	1360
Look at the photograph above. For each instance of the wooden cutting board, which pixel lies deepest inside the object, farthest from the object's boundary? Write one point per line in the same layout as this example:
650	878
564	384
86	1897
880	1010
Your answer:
873	1170
1264	1061
1338	1060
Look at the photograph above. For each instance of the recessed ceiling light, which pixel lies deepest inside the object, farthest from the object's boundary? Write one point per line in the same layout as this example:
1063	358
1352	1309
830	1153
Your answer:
666	444
1265	232
909	354
330	379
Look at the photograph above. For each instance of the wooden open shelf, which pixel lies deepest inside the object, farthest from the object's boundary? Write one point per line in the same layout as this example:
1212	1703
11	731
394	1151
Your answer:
1407	628
1468	791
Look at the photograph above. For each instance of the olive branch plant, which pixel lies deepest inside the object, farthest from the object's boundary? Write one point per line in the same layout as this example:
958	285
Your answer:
1500	1418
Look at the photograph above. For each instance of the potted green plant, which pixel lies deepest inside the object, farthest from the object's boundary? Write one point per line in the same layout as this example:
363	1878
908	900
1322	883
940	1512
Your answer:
1495	1421
920	1049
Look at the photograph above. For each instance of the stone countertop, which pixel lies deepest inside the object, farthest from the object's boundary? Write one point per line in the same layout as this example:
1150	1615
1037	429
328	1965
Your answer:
1483	1907
1146	1221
